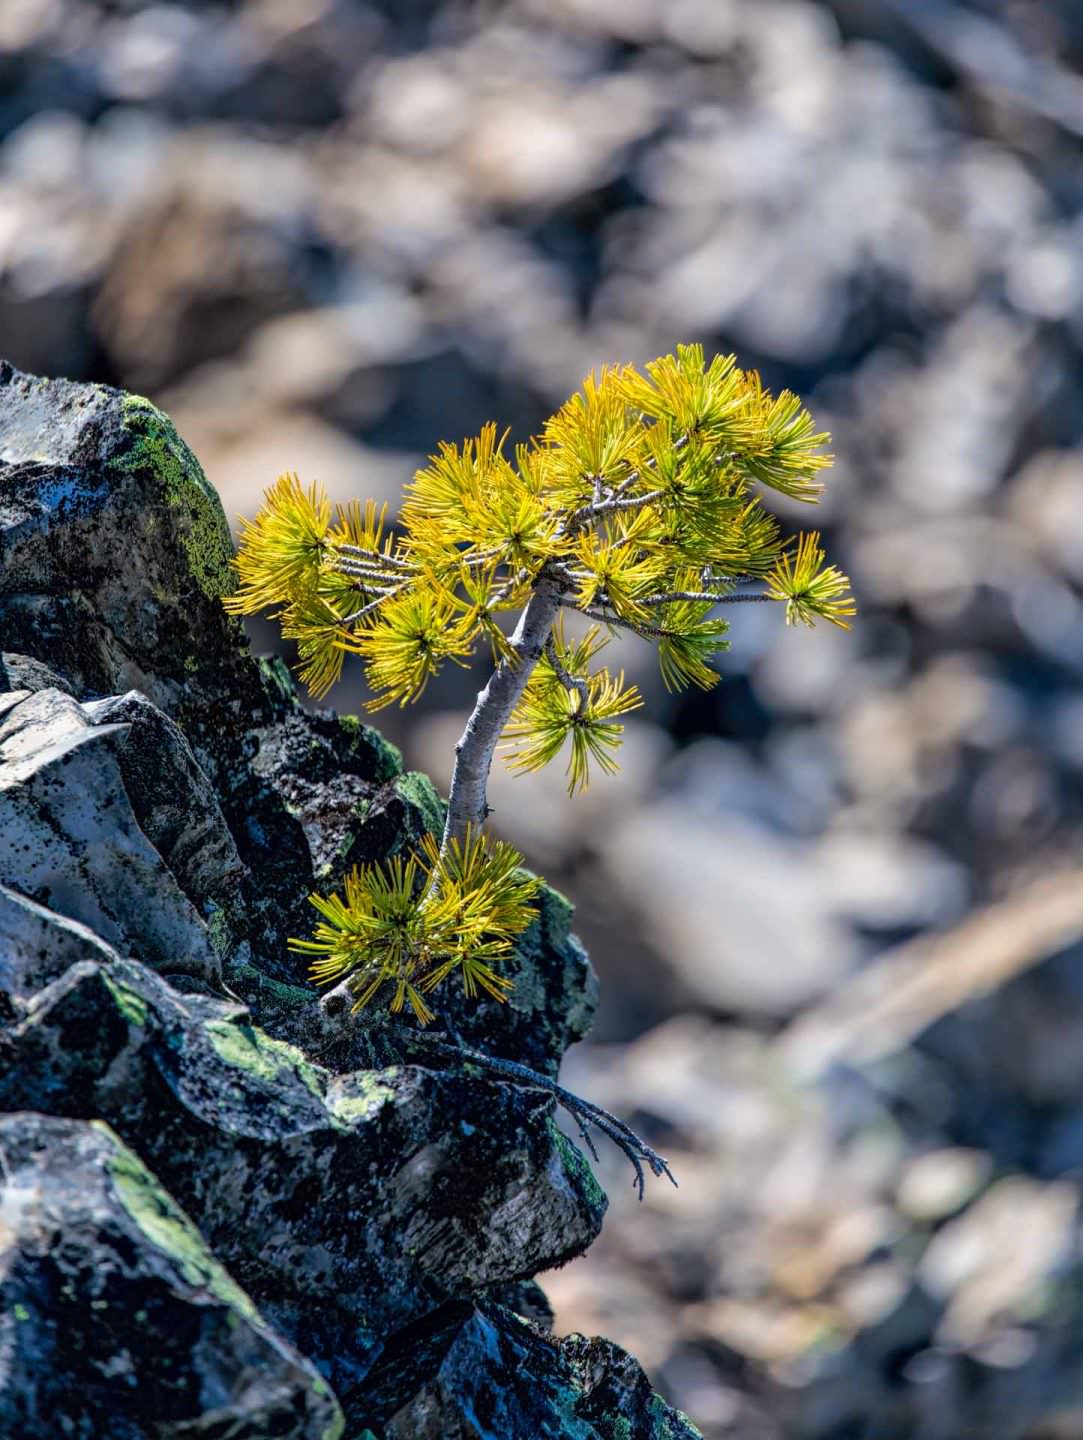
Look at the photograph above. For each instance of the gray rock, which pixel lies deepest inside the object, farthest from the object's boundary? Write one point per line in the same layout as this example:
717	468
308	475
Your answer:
22	672
115	1318
176	806
114	556
70	839
38	946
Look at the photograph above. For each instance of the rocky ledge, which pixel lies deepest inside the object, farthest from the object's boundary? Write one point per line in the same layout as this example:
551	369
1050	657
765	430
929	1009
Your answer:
208	1226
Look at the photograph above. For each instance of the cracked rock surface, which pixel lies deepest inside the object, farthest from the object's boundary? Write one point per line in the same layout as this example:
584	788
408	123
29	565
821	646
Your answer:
207	1228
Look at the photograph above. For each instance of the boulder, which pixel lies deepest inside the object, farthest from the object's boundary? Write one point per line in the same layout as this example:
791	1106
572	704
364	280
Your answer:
116	1319
70	839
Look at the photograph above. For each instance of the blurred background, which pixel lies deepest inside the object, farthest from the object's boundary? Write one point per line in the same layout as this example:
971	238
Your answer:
836	903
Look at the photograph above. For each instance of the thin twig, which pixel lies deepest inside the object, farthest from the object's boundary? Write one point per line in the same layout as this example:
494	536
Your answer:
366	552
345	566
637	1151
606	507
672	595
570	682
643	630
365	609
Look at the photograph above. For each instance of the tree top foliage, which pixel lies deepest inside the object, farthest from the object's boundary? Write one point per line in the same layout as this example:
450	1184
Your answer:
640	506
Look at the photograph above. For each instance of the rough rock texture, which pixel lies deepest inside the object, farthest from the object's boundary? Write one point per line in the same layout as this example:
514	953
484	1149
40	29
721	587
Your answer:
69	835
95	1258
205	1230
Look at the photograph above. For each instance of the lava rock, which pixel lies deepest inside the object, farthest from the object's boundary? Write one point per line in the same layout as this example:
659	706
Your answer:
38	947
115	1318
176	808
114	556
501	1376
348	1206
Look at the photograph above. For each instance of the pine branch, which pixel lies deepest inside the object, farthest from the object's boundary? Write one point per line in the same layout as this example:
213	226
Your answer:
364	570
570	682
372	605
365	552
612	503
704	595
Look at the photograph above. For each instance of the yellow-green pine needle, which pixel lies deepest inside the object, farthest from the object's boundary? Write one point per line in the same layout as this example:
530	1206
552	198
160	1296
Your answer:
281	549
585	713
811	589
404	927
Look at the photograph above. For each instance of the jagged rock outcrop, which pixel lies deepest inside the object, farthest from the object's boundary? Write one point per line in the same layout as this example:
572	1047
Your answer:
98	1261
204	1228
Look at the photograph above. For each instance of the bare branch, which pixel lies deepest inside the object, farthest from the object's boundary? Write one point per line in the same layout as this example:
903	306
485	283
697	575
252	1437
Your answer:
702	595
367	609
346	566
608	506
365	552
570	682
585	1113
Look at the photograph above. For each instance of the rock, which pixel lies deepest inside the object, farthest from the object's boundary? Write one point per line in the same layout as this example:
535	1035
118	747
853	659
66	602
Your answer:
114	556
116	1319
21	672
350	1206
69	837
740	926
38	947
501	1377
200	238
935	1185
999	1261
176	808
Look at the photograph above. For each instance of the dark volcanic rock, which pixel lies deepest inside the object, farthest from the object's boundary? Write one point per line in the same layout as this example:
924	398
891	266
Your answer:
166	806
21	672
175	805
398	1188
115	1318
114	555
501	1376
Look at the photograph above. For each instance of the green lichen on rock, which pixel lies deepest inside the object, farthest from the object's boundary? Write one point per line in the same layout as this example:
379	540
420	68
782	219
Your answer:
130	1004
165	1224
669	1423
220	932
251	1050
155	445
388	757
361	1094
419	793
337	1427
577	1168
258	988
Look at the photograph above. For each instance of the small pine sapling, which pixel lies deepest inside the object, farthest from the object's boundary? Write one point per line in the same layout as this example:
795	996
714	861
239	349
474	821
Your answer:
638	507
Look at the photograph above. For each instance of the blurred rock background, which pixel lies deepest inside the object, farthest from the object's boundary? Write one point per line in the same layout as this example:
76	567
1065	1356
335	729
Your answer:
837	903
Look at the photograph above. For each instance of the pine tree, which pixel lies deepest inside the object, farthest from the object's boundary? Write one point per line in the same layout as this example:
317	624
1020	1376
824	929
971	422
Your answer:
640	506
